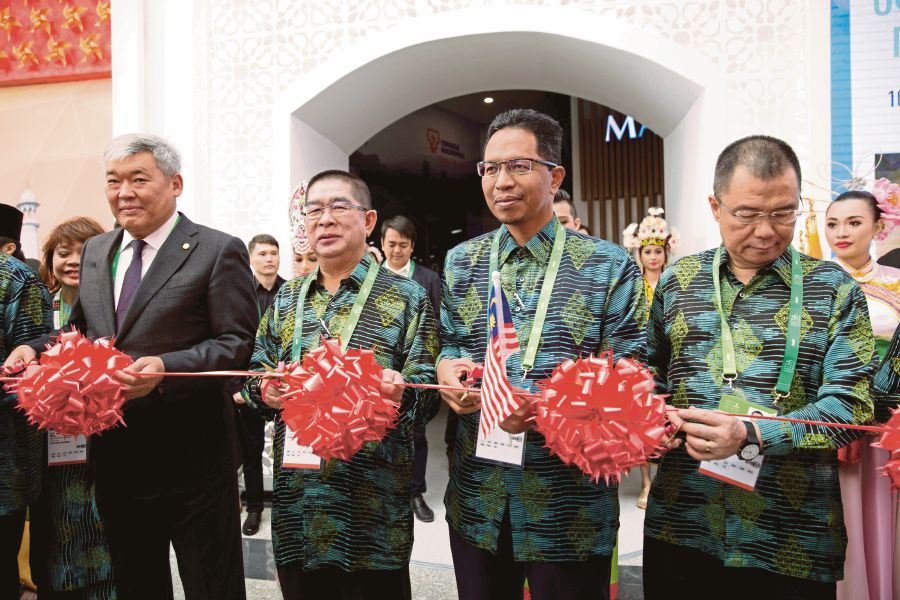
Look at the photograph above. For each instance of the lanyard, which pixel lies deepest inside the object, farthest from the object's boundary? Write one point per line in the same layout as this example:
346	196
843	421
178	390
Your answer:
537	326
115	260
364	290
412	267
792	343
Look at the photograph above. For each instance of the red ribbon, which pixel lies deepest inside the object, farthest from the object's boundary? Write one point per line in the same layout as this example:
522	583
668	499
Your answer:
602	419
334	403
890	441
71	391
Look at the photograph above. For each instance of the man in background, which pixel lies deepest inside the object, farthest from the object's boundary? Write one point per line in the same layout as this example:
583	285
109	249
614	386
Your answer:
564	208
398	240
264	260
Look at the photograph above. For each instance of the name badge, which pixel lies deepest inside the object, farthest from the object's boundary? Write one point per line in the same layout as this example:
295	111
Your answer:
297	456
66	449
733	470
501	447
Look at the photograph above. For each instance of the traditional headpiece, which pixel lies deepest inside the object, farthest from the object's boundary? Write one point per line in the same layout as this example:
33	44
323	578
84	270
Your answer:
10	222
886	192
299	238
653	231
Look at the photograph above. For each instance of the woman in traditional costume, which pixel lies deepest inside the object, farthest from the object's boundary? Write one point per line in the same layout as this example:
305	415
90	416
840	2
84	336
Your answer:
652	244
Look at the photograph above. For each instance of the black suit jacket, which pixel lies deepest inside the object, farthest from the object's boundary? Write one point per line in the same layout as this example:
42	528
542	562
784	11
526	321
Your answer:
430	280
195	309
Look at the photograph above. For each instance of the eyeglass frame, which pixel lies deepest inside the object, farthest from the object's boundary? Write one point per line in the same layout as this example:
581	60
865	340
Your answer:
759	215
328	208
504	164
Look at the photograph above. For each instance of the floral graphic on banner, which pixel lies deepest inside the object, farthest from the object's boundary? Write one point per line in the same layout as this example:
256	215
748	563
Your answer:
43	41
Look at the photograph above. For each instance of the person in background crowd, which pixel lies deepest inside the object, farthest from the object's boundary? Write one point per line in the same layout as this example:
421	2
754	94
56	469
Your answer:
564	208
12	219
24	315
756	528
176	296
344	529
69	553
527	515
264	260
853	220
398	240
303	263
651	243
583	229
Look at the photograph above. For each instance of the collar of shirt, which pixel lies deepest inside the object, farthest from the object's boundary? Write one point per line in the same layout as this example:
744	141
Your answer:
781	265
277	284
539	245
402	271
357	275
156	239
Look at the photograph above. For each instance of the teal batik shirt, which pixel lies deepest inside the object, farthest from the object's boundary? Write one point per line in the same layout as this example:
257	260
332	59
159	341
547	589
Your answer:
792	523
24	315
557	513
887	381
351	515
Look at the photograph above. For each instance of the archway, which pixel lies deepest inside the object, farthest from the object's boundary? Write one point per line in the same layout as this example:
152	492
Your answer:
679	94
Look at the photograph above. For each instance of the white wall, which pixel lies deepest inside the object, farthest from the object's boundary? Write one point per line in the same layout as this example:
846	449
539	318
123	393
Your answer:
757	66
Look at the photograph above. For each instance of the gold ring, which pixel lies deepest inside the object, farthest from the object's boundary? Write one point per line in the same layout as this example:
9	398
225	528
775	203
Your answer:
707	446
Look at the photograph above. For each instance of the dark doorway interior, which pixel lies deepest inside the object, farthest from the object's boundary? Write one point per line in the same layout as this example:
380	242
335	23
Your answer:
423	166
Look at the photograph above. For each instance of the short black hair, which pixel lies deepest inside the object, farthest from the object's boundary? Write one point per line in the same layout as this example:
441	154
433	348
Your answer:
765	157
401	225
563	196
360	189
868	197
18	251
547	131
262	238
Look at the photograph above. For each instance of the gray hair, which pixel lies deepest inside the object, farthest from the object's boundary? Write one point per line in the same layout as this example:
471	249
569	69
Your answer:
164	153
765	157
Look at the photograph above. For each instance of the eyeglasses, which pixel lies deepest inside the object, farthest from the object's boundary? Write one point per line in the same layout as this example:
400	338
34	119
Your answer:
750	217
514	166
337	210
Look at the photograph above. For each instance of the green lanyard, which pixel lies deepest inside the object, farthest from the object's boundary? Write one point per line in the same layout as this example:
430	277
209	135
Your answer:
792	344
115	260
364	290
537	326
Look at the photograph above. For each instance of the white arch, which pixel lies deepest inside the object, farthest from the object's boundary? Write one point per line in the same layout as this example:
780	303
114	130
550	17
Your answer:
679	94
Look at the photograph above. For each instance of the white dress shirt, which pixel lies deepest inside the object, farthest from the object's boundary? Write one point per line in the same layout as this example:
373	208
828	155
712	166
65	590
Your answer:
154	243
402	271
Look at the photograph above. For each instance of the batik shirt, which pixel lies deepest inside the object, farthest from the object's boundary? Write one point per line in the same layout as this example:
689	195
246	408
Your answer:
557	513
351	515
24	315
887	381
792	523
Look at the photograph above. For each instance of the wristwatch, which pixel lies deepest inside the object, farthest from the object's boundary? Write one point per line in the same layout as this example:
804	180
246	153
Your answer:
751	447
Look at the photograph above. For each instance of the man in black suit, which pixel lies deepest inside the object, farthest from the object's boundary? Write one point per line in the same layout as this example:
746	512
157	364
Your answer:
398	239
176	296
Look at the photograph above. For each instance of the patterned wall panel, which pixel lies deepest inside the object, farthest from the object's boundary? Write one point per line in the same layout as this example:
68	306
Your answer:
256	48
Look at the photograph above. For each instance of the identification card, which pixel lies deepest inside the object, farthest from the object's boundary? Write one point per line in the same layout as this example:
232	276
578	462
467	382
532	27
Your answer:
733	470
297	456
66	449
501	447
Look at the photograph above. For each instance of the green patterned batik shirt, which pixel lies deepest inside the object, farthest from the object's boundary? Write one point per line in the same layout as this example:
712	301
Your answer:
24	315
792	523
887	381
351	515
557	513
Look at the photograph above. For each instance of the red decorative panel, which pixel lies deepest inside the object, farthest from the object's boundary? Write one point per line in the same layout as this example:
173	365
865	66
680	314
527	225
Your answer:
53	40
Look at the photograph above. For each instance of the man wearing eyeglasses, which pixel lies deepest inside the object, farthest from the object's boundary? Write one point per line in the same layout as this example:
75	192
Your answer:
750	327
343	529
522	512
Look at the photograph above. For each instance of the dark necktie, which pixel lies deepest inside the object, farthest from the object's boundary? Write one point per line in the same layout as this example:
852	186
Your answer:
132	280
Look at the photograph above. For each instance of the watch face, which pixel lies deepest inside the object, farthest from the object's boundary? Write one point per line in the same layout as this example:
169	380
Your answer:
750	451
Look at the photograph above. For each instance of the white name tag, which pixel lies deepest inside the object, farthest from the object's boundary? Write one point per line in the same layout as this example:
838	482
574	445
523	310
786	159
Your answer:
501	447
66	449
297	456
733	470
